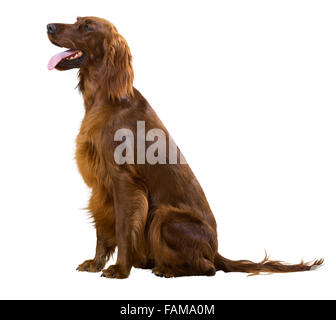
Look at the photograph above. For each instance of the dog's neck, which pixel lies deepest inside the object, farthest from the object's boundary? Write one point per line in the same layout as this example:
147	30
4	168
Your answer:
92	87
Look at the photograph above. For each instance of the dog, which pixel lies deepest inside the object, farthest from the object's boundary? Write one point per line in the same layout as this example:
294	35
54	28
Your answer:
156	214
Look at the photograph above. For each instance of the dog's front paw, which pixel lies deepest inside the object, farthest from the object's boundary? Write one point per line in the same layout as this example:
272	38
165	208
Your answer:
116	272
160	272
91	266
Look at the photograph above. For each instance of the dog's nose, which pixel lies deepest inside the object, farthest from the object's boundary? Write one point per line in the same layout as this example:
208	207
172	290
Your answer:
51	28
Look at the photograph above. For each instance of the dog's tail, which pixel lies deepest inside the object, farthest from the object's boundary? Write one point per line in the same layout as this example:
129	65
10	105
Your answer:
265	266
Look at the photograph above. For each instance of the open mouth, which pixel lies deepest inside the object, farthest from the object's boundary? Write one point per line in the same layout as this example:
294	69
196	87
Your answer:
67	60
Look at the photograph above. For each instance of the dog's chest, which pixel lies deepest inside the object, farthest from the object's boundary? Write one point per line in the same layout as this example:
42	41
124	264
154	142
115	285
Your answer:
85	159
88	157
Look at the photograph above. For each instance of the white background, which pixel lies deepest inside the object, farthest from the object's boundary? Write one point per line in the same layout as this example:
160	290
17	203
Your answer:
247	90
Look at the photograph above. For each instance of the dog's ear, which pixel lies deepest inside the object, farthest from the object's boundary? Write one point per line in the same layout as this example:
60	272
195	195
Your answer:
118	70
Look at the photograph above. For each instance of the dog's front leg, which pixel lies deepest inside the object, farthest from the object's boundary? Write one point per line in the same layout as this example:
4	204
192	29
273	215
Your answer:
101	208
131	209
104	248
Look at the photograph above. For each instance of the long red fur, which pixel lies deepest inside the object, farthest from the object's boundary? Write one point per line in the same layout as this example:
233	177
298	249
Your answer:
157	215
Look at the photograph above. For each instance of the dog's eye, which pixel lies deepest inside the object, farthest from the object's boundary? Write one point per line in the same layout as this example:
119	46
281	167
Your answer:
87	27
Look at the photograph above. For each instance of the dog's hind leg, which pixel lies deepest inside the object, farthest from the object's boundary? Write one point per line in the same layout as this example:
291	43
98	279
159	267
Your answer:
182	244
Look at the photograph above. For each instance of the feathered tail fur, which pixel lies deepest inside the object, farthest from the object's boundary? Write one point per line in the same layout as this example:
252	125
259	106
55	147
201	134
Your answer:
265	266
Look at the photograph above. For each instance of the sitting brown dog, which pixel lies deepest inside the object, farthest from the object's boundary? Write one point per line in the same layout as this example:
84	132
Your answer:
155	212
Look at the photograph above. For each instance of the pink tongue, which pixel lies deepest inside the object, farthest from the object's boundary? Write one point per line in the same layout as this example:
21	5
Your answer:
56	59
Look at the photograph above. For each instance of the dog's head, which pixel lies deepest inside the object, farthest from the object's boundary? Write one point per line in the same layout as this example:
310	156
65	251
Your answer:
93	43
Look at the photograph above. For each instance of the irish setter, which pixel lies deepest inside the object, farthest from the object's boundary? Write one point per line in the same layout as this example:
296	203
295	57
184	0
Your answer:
156	214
